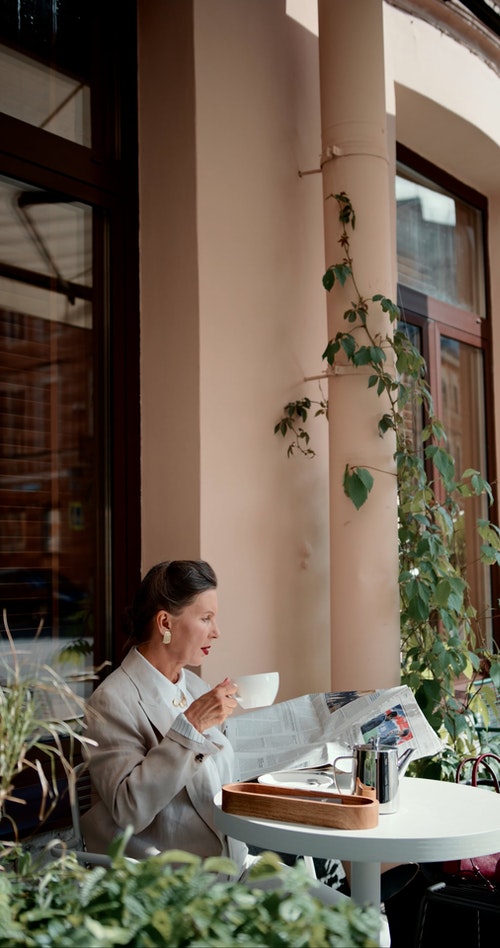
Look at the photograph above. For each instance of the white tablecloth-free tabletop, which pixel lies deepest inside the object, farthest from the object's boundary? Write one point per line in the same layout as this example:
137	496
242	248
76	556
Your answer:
436	821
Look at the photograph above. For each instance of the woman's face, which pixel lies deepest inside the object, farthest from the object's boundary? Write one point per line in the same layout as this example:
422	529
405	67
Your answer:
194	629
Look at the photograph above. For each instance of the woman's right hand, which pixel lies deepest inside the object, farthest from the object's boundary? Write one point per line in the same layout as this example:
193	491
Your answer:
213	707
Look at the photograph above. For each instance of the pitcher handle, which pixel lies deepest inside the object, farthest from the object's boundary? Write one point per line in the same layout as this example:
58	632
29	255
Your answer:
342	757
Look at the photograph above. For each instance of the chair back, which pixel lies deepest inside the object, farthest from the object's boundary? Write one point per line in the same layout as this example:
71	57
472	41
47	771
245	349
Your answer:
80	799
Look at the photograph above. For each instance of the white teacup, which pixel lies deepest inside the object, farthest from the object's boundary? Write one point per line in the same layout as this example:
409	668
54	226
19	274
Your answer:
256	691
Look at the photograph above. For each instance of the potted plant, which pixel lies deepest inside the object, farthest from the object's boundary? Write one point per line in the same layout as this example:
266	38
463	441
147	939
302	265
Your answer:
30	740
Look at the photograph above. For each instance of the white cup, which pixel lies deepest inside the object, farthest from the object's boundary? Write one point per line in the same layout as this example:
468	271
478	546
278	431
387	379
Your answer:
256	691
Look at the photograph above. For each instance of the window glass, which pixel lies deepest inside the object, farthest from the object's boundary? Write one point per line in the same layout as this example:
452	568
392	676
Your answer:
441	255
413	411
463	414
47	453
45	59
439	243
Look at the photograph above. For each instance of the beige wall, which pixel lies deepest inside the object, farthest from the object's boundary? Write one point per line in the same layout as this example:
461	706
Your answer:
447	100
170	384
264	518
259	310
233	314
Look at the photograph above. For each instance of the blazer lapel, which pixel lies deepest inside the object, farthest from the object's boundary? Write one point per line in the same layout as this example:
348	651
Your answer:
150	697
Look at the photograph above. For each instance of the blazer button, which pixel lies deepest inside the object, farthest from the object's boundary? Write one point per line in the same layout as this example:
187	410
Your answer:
199	758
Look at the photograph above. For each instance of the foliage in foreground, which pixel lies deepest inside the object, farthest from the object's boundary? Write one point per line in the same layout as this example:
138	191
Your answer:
173	900
30	740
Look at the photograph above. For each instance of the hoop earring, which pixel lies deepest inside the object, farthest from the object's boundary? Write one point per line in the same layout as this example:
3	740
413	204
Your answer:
167	637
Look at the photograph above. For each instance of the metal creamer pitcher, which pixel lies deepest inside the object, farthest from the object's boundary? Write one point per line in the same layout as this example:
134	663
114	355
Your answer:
375	774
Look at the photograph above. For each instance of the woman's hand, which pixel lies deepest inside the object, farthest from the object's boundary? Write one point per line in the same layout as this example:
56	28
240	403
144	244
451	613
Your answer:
213	707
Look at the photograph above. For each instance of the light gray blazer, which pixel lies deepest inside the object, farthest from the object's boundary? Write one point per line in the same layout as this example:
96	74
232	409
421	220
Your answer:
148	774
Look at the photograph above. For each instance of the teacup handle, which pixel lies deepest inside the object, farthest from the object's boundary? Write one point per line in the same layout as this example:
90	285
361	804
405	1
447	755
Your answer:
343	757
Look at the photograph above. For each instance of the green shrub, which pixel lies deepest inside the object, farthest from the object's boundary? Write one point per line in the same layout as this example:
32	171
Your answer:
172	900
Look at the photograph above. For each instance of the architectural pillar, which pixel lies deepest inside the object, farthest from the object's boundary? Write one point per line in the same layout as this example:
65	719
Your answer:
365	633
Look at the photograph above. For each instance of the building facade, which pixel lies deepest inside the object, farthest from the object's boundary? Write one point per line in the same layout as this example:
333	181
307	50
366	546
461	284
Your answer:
166	200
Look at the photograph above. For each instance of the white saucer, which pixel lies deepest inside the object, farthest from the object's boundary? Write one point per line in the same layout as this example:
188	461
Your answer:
296	780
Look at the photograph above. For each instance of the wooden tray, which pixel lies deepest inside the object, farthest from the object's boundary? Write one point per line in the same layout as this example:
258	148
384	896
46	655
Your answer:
290	805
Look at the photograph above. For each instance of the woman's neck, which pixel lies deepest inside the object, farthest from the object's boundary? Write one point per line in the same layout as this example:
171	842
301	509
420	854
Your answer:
158	657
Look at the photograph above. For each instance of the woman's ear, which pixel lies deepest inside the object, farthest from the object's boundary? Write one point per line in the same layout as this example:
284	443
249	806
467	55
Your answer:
163	624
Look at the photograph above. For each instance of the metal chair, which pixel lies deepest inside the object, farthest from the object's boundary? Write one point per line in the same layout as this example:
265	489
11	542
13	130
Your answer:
465	915
79	789
80	800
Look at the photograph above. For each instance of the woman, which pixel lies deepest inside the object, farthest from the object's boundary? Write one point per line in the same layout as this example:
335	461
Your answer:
161	754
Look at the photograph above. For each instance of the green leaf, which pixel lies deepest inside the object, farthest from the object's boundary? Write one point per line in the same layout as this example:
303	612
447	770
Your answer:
377	355
442	593
387	306
74	651
495	671
489	555
349	346
331	350
385	424
362	356
443	461
489	532
429	694
342	271
328	279
357	485
267	864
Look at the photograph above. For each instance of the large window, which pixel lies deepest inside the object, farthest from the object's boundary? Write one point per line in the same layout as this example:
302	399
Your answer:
69	440
442	293
48	438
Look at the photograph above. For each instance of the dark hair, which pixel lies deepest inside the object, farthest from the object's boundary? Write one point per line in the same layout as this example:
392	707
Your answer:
171	585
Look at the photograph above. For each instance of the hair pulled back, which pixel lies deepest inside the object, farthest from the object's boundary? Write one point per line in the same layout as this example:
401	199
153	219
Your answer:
172	586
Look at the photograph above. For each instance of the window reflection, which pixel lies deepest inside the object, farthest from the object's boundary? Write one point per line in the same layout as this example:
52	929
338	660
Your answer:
413	413
462	383
439	244
47	455
44	98
45	65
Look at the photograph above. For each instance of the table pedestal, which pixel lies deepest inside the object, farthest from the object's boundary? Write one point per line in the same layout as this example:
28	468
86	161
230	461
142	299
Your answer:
365	883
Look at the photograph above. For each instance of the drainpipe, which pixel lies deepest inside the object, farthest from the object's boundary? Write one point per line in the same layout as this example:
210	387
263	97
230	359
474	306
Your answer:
365	635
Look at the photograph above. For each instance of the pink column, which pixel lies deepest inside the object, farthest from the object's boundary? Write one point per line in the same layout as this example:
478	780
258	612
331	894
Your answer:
365	633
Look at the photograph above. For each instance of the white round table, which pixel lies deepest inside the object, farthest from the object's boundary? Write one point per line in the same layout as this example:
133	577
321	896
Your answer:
436	821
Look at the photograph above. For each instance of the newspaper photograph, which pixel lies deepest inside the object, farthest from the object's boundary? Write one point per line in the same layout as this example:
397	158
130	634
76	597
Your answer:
312	730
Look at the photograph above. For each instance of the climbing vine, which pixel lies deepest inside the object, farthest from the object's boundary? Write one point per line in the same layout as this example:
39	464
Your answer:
441	643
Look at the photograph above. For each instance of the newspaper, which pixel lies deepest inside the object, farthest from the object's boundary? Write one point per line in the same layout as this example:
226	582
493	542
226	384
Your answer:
312	730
